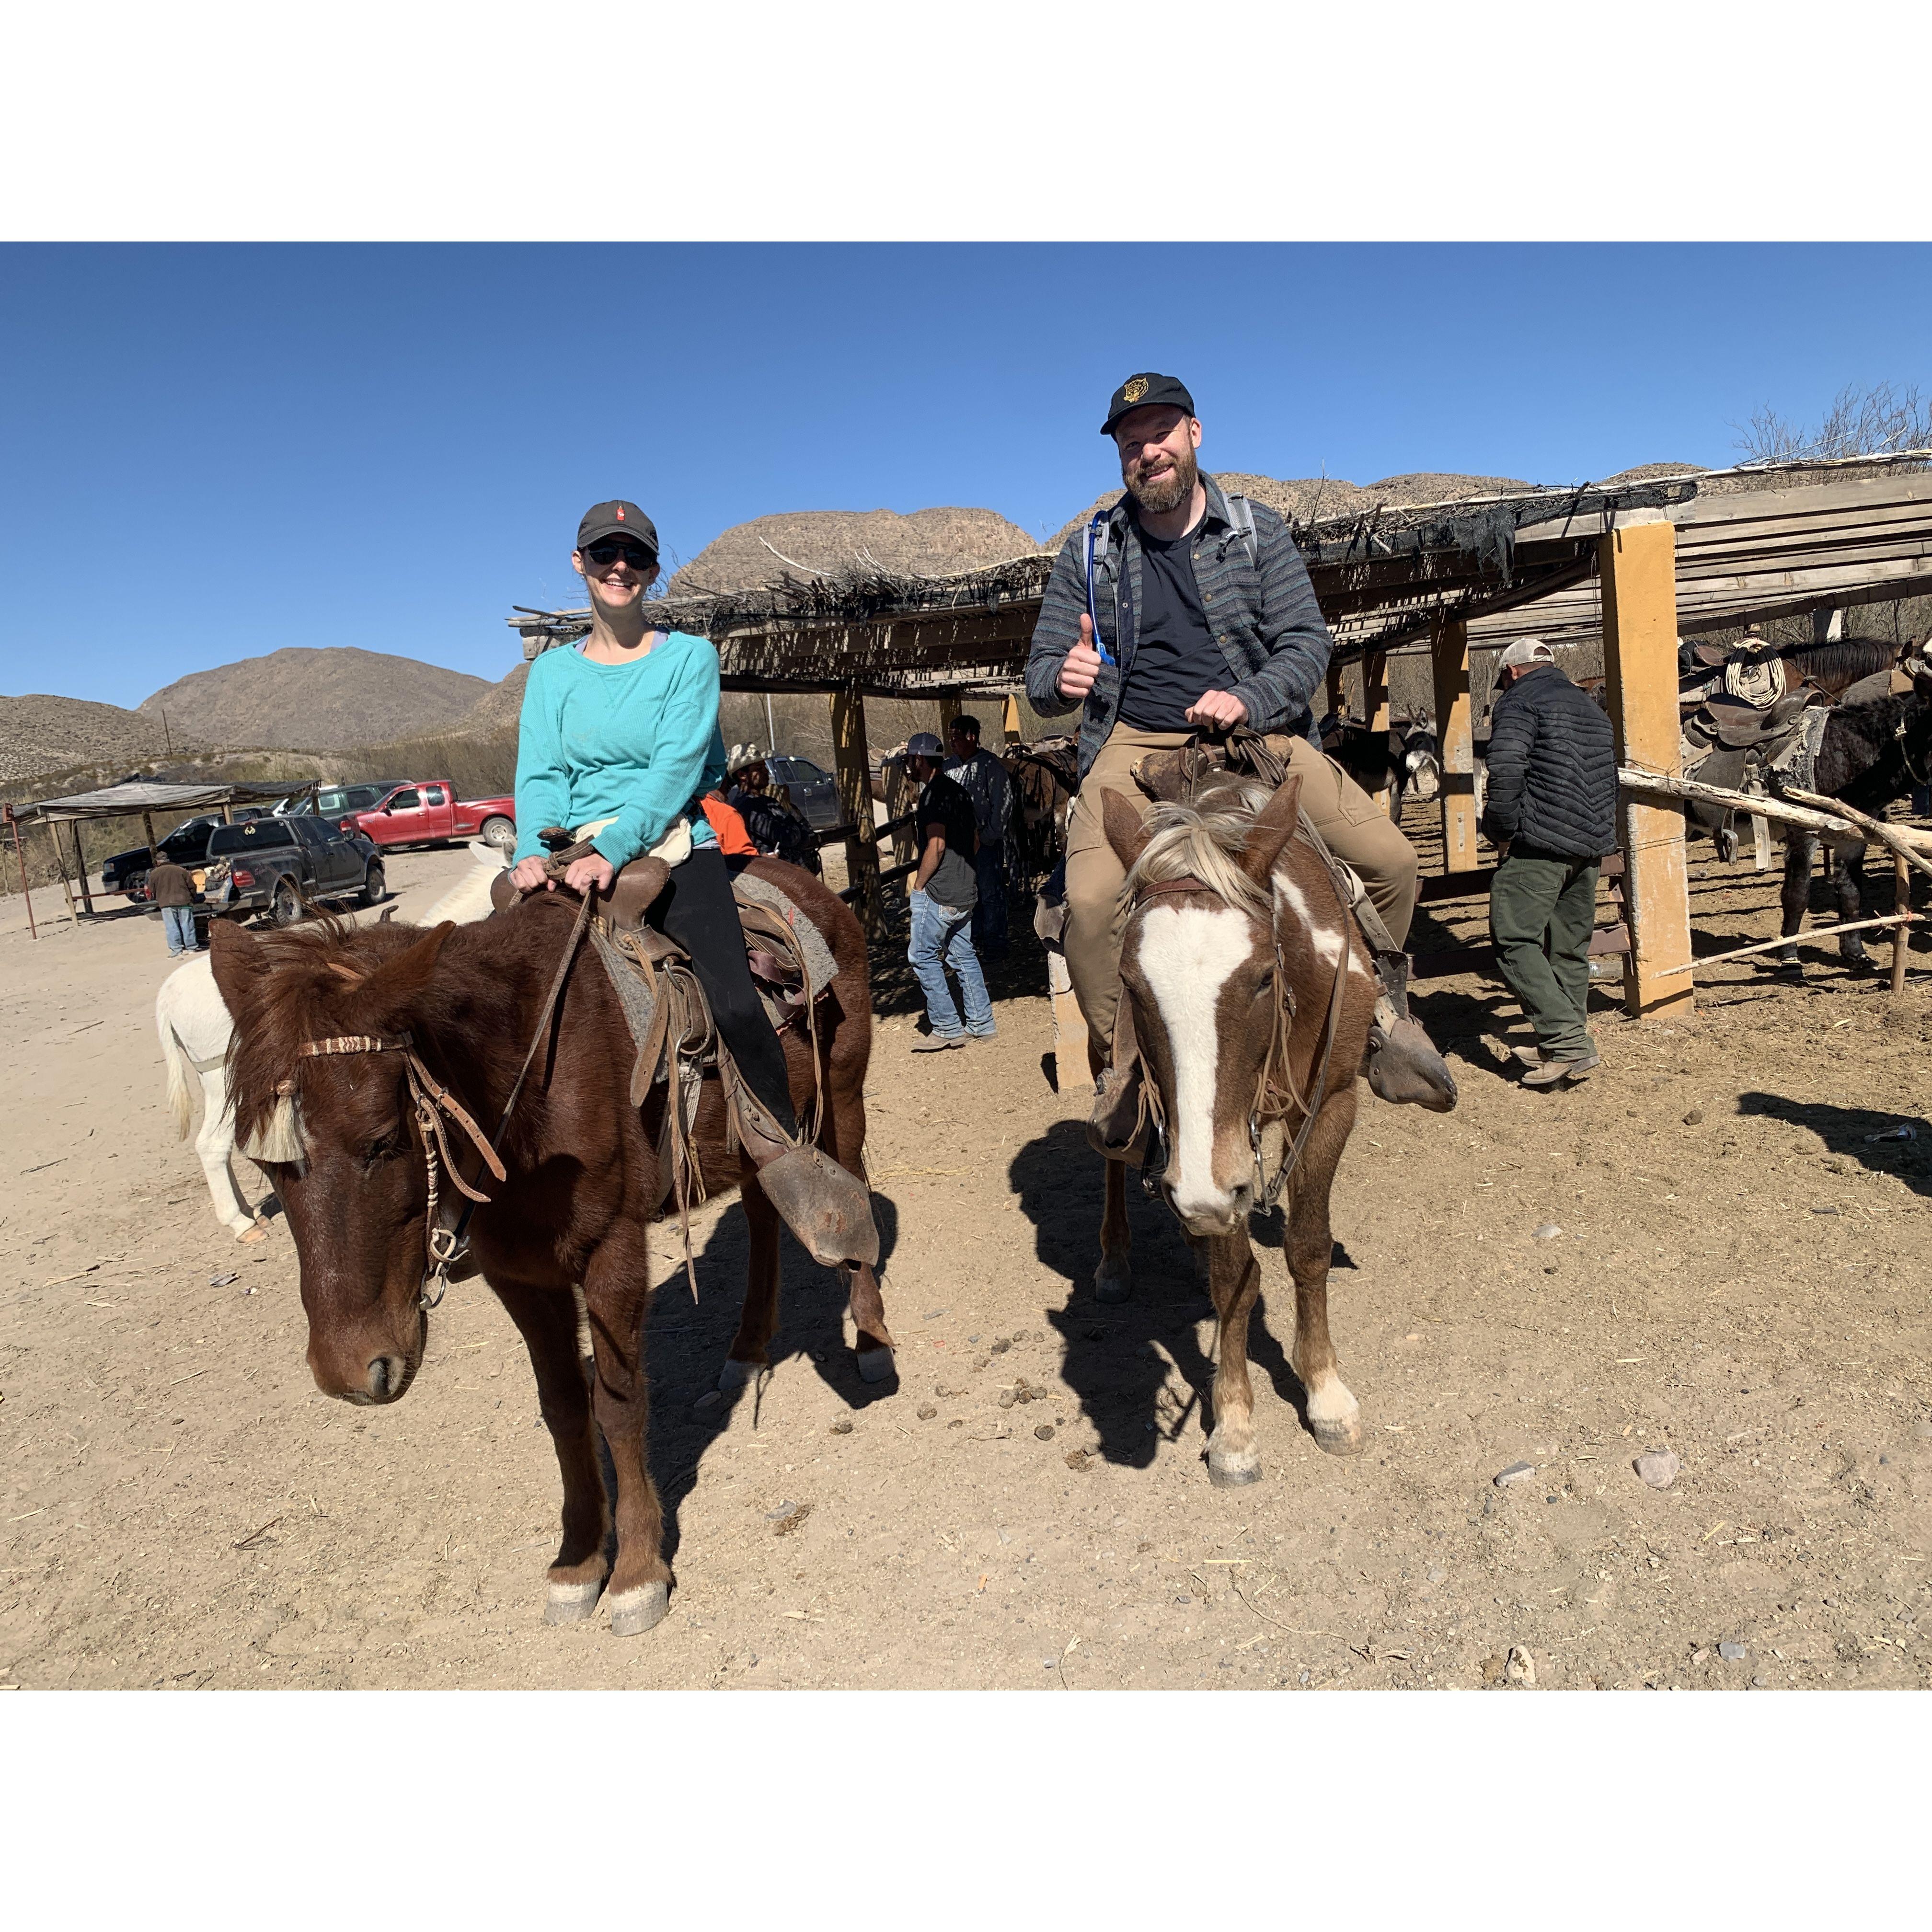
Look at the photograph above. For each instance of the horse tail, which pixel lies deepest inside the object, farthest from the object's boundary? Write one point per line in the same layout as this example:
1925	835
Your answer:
176	1055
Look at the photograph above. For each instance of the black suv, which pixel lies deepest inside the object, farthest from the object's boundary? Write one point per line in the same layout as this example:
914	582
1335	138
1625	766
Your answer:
272	865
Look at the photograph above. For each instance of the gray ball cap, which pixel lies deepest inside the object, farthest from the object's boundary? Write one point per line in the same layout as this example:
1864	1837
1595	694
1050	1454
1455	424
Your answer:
924	745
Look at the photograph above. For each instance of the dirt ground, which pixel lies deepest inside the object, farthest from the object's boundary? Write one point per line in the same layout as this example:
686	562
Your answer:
1736	1274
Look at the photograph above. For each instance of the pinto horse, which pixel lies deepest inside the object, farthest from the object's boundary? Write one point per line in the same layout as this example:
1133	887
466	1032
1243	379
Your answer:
1251	995
389	1014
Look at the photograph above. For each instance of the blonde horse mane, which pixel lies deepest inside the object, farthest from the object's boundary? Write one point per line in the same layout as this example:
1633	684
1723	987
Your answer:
1204	842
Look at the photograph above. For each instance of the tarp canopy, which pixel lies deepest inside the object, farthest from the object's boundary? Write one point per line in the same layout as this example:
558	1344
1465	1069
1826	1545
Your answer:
140	795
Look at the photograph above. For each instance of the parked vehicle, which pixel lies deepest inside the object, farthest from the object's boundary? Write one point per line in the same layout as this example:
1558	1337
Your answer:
186	845
427	811
337	802
272	865
814	790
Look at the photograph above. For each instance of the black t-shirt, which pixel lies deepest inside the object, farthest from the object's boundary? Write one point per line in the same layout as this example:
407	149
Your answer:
954	883
1176	659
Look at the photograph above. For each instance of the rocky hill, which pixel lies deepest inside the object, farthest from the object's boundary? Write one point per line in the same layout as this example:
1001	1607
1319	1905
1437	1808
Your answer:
498	709
927	543
40	734
316	699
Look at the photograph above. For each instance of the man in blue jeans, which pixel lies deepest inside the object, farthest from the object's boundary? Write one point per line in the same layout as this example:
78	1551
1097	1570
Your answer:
944	890
170	888
983	779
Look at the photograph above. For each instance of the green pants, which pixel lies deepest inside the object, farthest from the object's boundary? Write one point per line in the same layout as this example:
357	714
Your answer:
1542	910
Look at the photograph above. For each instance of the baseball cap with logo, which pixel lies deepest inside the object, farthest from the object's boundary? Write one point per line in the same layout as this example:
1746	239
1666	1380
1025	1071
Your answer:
617	519
1146	392
1525	651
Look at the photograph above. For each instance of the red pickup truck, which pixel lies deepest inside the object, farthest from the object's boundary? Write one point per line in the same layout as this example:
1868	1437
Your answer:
427	811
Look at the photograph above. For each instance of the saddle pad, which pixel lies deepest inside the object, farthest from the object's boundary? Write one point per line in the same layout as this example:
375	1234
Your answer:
1797	764
820	968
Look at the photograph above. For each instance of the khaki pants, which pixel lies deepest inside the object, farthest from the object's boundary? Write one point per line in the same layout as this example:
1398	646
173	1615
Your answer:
1345	815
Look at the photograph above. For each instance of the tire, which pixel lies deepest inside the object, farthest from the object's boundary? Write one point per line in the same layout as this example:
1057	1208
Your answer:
285	905
375	886
498	832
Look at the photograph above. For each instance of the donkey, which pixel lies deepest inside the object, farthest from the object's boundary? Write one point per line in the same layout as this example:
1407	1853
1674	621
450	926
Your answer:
1250	995
353	1047
1868	755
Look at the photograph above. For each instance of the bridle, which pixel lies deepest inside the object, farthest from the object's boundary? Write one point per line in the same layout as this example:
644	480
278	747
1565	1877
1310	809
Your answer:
445	1248
1276	1094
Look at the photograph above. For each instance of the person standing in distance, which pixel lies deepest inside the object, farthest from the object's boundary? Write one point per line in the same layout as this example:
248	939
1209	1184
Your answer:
942	894
983	779
171	889
1551	814
1207	629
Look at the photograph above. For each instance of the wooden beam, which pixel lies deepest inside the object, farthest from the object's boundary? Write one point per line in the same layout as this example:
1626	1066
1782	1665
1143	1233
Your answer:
1338	698
1375	704
852	767
80	862
1637	567
1456	740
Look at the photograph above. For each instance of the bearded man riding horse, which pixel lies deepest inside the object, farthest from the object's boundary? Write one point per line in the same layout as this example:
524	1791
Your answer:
1184	613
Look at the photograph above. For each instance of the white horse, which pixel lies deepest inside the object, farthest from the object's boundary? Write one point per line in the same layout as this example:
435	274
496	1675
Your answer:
196	1029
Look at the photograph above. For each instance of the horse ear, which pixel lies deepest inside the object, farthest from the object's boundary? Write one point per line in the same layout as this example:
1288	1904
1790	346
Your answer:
240	966
1126	831
393	988
1273	827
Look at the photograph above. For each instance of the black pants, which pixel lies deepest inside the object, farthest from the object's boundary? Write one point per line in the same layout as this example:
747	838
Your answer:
698	910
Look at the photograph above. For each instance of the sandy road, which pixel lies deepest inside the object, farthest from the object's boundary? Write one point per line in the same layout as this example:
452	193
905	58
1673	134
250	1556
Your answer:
1738	1274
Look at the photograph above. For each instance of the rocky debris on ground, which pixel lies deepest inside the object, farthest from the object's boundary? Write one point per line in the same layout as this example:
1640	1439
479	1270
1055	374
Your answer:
1659	1467
1516	1472
1520	1668
1547	1231
1732	1653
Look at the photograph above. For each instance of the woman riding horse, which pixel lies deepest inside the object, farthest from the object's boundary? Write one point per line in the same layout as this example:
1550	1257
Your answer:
619	741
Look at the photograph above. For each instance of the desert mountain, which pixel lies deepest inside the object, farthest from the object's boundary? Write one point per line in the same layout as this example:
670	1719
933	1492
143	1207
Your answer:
48	734
498	709
316	699
928	543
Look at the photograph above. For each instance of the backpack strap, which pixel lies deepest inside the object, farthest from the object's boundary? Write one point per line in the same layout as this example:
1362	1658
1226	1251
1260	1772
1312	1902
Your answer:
1099	538
1241	520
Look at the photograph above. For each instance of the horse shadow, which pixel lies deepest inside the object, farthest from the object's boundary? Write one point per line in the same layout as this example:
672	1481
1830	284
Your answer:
686	1337
1852	1132
1116	1357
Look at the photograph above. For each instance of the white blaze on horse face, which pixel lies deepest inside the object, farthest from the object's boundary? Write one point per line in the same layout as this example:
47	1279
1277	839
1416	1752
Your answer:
1185	955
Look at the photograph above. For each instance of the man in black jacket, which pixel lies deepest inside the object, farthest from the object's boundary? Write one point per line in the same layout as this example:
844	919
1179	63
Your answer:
1552	813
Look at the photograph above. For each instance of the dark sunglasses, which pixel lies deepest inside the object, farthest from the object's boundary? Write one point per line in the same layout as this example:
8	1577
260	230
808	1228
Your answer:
614	547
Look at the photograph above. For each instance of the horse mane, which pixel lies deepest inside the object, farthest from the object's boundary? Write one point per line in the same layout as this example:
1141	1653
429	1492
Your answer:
1204	842
1849	658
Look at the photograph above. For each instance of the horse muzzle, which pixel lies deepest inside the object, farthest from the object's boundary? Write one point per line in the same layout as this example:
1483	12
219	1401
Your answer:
371	1371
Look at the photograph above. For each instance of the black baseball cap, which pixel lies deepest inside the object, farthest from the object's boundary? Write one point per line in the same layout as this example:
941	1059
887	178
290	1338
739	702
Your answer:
1147	392
617	520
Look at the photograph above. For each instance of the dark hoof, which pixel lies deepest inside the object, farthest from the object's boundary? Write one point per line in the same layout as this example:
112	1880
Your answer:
637	1611
1113	1282
875	1365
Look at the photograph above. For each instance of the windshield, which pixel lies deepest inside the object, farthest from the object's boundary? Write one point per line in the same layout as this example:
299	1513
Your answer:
338	799
254	836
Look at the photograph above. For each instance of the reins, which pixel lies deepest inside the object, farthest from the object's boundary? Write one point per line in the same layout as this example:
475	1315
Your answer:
445	1247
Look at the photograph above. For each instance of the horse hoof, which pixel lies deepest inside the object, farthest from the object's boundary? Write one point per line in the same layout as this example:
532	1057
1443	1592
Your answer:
1234	1472
572	1603
1339	1439
1113	1282
734	1374
255	1232
875	1365
637	1611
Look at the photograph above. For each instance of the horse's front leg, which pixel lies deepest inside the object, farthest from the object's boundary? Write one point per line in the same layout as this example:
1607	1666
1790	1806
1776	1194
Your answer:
616	1291
1234	1280
1794	898
1333	1413
1851	908
546	1318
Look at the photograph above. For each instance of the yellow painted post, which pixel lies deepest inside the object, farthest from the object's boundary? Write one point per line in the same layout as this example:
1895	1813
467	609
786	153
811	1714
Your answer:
1009	719
1449	655
1638	567
852	767
1375	704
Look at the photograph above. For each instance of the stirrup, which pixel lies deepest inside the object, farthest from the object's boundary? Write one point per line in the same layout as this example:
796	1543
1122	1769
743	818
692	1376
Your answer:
1402	1065
825	1206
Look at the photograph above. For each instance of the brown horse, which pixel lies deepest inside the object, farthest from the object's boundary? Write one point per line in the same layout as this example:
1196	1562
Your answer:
403	1010
1239	964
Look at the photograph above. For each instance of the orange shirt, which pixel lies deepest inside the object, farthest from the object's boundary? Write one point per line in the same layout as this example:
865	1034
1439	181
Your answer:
733	839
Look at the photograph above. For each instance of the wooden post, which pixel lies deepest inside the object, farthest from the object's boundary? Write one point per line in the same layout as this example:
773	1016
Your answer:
80	861
1638	567
852	765
1455	740
60	859
1009	719
1760	842
1069	1026
26	891
1375	704
950	708
1338	698
900	796
1901	944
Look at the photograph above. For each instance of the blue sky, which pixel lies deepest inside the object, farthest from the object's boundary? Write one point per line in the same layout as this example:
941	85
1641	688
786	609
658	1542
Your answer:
209	452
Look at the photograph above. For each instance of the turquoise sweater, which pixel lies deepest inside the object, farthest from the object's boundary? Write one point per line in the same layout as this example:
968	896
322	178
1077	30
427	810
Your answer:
638	743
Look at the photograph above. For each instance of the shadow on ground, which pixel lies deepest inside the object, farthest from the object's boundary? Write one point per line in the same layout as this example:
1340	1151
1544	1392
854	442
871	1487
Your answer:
1850	1131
